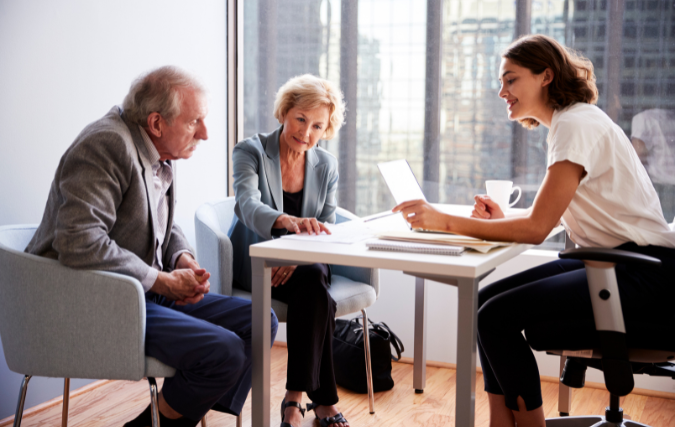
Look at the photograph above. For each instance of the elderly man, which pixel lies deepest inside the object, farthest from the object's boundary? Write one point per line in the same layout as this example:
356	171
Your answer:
111	208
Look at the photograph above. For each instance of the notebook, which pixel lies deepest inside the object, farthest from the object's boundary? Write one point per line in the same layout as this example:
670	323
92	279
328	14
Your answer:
420	248
438	239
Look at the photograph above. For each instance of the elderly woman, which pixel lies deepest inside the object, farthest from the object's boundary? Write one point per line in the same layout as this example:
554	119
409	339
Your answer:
284	183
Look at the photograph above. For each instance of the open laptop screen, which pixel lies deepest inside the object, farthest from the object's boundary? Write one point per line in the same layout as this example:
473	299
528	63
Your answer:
401	181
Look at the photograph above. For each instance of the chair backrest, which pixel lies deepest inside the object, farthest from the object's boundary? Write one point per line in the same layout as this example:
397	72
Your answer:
214	249
343	215
218	214
49	315
16	237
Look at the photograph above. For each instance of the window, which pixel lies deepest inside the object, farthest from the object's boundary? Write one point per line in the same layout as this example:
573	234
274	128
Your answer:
629	29
447	120
580	32
648	89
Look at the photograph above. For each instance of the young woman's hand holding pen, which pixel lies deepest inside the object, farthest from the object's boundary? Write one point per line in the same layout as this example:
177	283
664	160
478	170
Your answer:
421	215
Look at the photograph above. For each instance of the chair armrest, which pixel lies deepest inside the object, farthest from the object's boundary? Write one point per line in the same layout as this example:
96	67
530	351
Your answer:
214	252
357	274
60	322
608	255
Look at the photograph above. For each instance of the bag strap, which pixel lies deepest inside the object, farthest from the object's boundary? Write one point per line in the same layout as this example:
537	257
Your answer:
355	324
395	342
344	329
393	339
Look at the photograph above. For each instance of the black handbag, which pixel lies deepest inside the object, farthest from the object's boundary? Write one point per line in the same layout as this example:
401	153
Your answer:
349	360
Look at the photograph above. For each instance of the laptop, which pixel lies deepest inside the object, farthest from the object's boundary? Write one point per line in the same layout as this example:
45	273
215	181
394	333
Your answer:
403	185
401	181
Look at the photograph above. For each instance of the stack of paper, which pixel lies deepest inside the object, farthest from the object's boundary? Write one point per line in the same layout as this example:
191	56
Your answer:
479	245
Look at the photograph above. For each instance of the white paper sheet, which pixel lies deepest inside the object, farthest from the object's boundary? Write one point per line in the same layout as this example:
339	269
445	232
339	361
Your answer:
346	232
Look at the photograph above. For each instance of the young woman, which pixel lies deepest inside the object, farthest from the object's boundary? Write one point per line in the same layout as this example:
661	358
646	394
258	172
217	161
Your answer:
597	186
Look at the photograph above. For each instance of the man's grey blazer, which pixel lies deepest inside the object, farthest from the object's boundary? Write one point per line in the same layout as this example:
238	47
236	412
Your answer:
99	214
259	195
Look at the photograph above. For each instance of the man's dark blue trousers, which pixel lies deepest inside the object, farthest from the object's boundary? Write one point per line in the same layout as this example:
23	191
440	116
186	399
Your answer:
209	344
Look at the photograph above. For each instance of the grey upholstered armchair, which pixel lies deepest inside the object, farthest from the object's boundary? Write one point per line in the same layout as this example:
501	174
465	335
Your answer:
65	323
353	289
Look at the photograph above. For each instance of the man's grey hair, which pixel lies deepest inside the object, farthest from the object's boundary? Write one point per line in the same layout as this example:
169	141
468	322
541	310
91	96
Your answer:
158	91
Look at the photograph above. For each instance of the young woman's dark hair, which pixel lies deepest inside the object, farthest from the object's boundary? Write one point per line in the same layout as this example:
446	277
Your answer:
573	76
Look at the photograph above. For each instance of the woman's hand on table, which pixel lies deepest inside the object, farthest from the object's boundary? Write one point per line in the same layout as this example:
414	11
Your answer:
421	215
486	208
298	225
280	275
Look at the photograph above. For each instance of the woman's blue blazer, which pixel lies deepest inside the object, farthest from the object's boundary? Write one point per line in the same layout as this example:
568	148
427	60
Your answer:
259	195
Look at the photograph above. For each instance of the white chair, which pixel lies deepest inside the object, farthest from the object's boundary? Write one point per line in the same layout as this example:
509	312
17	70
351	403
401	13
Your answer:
65	323
353	289
59	322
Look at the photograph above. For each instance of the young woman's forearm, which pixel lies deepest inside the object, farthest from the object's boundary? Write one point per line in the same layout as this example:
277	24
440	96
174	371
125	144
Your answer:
520	229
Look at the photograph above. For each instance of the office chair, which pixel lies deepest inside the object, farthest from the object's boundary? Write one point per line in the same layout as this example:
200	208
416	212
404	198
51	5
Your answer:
353	289
618	354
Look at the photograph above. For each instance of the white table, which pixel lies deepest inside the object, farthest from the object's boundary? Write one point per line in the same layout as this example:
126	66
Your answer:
464	272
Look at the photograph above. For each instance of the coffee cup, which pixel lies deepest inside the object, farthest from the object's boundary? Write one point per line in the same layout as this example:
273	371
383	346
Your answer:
501	191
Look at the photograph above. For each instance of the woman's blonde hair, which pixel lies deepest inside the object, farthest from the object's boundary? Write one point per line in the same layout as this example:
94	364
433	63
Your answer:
308	92
573	76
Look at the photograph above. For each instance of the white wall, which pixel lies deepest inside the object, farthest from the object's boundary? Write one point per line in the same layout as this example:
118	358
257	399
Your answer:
64	64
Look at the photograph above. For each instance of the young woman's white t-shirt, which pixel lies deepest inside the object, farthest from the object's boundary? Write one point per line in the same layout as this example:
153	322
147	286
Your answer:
615	202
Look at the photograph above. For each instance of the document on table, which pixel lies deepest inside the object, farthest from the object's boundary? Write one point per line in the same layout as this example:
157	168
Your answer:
346	232
479	245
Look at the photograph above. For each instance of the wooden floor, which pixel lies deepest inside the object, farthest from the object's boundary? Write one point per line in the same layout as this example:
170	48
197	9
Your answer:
116	402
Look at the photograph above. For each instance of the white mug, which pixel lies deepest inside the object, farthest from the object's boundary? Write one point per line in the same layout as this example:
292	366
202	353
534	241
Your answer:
501	191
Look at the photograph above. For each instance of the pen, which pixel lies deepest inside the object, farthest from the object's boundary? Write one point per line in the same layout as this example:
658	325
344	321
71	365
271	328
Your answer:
380	216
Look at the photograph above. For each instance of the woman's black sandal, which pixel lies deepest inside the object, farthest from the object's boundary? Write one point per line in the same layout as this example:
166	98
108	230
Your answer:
325	422
285	405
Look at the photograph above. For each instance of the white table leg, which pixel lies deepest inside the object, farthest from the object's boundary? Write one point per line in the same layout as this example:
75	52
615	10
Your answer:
262	302
466	352
420	354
